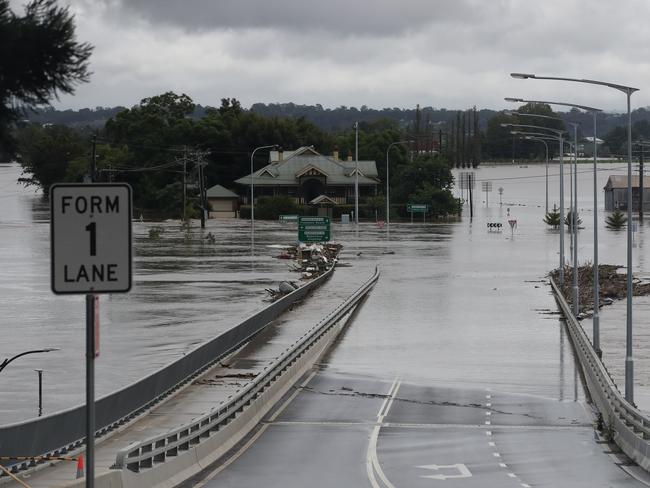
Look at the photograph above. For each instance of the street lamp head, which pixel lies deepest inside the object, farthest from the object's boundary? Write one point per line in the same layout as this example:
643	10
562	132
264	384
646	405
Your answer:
522	76
50	349
516	100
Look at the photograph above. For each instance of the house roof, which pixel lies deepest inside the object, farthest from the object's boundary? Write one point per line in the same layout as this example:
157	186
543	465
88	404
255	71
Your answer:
619	182
293	164
591	139
218	191
324	199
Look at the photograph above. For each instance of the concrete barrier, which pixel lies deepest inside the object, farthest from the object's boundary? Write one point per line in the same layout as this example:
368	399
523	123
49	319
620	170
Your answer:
170	458
630	426
64	431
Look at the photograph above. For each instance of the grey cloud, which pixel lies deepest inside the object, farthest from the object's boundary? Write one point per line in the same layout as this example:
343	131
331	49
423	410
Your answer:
341	17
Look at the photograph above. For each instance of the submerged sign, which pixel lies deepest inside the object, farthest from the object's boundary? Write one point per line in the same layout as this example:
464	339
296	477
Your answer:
417	207
314	229
90	238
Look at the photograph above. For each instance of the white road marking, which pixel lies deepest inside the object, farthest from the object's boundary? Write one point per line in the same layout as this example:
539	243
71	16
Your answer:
487	422
496	454
488	413
488	432
372	461
492	444
512	475
503	465
488	405
488	396
463	471
524	485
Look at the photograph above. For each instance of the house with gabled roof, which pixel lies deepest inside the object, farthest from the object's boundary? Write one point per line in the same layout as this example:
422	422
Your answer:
616	193
312	178
223	203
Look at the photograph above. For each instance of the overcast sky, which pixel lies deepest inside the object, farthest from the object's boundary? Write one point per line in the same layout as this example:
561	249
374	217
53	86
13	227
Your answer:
380	53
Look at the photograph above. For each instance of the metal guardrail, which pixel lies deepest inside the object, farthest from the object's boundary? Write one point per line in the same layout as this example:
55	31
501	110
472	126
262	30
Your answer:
630	427
64	431
156	449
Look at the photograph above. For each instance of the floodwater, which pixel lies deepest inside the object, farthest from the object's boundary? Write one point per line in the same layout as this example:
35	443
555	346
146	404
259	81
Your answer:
188	288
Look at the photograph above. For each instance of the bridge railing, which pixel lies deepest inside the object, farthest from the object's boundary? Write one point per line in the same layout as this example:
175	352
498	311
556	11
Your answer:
61	432
630	428
156	449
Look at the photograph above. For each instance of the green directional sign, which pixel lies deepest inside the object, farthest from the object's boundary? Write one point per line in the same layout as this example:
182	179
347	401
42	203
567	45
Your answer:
288	218
314	229
417	207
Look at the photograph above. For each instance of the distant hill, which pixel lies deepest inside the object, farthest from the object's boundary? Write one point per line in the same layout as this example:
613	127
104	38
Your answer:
85	117
336	119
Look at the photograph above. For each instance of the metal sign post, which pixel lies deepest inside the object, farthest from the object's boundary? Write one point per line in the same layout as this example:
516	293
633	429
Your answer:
90	233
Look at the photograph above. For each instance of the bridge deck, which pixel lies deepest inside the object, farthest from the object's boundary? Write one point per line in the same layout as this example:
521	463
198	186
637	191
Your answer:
215	385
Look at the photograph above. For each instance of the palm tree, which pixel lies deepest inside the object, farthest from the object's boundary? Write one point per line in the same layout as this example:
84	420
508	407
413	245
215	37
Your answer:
569	216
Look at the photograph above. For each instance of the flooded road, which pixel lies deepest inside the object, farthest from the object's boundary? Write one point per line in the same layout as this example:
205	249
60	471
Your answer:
457	370
188	287
443	278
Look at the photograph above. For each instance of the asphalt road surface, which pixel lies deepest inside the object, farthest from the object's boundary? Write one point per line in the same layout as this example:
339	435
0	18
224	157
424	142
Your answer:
456	372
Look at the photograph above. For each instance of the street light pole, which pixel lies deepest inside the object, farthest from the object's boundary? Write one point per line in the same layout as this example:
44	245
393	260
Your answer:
40	391
596	277
558	136
252	197
6	362
629	359
539	139
388	187
574	218
628	90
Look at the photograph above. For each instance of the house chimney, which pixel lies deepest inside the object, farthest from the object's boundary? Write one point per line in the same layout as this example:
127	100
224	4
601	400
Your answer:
280	154
335	153
349	155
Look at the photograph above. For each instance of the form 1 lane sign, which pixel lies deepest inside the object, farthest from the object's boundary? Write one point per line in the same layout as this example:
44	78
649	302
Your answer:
91	238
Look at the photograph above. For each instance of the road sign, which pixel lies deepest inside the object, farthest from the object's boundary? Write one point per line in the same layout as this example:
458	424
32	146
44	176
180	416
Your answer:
288	218
314	229
417	207
90	234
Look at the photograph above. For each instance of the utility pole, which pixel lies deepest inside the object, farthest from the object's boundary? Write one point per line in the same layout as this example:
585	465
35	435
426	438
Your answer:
184	180
356	176
471	202
202	195
93	160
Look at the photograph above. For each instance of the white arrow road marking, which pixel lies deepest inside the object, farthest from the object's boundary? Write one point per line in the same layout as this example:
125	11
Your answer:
463	471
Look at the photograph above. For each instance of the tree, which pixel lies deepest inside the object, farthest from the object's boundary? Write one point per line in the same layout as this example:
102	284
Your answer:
39	58
47	154
427	179
616	220
552	218
568	219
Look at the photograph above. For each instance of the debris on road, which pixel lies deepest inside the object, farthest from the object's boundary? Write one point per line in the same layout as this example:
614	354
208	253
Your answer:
310	260
613	286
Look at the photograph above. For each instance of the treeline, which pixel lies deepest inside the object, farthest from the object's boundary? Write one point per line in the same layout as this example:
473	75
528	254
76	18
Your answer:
159	143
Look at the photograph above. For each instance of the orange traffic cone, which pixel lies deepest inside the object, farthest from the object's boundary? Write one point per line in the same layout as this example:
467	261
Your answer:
80	467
